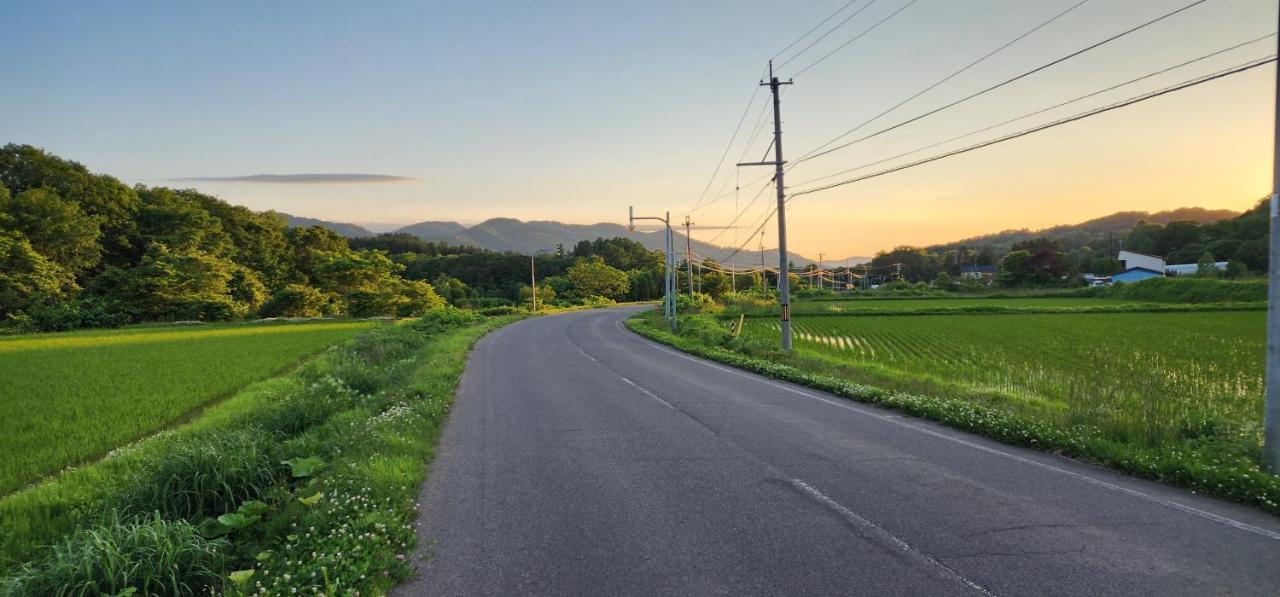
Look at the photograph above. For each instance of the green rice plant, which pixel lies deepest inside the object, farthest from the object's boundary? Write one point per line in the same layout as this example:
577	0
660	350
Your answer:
68	398
126	556
1147	378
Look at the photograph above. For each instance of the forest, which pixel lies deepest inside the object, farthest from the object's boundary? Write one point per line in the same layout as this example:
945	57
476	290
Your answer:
81	249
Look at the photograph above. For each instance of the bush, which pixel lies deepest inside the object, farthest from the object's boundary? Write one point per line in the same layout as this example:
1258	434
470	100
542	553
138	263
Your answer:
445	318
694	304
1190	290
499	311
150	555
297	300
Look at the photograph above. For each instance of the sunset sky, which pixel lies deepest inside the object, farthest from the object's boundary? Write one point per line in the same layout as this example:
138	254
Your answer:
572	111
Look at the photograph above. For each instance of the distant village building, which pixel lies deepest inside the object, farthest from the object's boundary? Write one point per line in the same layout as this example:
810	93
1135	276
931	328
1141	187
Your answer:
978	272
1132	259
1138	267
1191	269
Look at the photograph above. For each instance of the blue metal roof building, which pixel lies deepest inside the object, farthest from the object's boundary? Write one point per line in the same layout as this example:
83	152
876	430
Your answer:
1135	274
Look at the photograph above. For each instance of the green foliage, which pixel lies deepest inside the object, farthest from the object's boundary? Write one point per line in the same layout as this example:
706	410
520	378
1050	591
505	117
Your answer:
56	228
205	476
697	303
304	467
27	278
124	556
1189	290
592	277
159	254
298	300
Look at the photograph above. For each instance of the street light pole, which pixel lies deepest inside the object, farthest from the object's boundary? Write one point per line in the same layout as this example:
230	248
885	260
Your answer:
1271	415
668	274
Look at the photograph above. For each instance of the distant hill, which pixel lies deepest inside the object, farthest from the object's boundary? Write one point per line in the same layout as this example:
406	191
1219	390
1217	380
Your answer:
1095	233
509	234
347	230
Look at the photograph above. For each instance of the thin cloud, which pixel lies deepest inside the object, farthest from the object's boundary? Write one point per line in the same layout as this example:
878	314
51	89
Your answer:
314	178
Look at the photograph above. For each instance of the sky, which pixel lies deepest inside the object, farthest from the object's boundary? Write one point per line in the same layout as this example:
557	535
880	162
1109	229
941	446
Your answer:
573	111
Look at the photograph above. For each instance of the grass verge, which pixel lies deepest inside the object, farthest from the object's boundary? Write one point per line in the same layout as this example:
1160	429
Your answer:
1201	468
303	483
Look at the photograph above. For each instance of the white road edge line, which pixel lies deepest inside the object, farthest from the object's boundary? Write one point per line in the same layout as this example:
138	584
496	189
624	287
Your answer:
647	392
584	353
884	535
1217	518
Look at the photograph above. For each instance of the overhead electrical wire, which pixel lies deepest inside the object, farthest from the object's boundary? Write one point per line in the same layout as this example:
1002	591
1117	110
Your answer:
1121	104
815	28
812	154
1042	110
720	164
953	75
854	38
855	13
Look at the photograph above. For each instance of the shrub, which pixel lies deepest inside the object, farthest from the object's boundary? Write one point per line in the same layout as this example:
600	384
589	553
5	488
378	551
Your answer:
694	304
499	311
1190	290
445	318
150	555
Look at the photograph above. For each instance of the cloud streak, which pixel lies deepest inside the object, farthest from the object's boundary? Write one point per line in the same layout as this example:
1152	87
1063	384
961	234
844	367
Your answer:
312	178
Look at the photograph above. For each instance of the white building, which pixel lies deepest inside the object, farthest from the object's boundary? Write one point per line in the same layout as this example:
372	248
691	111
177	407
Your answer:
1130	260
1191	269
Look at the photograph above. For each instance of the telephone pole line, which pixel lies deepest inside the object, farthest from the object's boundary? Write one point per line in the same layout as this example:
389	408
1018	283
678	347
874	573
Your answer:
784	283
821	284
1271	417
669	266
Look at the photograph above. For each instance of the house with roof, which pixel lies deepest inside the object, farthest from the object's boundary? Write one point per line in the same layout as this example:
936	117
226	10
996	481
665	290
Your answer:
1138	266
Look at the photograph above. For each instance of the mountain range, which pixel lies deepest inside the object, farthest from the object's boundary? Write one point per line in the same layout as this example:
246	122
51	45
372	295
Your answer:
1097	232
508	234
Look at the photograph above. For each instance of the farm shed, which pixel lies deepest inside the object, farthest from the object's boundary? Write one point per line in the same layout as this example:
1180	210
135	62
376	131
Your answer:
1136	274
1134	260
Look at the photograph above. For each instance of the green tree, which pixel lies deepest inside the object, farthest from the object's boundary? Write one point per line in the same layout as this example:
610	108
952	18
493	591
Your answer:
591	277
298	300
28	278
112	203
56	228
1206	267
170	285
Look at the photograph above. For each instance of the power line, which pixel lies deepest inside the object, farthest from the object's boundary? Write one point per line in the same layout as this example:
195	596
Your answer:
1056	123
829	32
953	75
815	28
1024	75
720	164
1042	110
854	39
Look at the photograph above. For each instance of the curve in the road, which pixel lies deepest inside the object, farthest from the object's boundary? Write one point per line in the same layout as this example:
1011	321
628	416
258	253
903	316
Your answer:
583	459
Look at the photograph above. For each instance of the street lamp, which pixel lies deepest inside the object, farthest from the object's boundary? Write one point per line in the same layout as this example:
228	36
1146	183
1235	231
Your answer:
533	277
668	278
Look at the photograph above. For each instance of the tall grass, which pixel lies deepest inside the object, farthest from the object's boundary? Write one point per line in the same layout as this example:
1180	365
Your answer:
67	398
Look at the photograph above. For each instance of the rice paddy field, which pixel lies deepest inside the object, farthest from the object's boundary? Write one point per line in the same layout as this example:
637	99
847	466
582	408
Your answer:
1146	378
876	305
67	398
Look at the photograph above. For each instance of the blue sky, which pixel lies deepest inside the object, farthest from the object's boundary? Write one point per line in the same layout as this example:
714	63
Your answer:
574	110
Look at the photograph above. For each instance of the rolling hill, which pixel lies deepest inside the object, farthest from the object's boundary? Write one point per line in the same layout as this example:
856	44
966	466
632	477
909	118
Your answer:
1097	232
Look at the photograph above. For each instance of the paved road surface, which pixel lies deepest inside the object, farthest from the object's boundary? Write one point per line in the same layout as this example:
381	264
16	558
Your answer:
582	459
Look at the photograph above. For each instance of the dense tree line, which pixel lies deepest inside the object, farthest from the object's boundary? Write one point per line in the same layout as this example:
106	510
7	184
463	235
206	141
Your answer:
1058	259
82	249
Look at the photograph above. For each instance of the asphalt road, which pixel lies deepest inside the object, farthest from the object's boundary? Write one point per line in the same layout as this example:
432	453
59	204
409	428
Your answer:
582	459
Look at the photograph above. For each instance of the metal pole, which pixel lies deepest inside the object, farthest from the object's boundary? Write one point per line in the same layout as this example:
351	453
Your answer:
688	253
1271	417
784	284
671	243
533	282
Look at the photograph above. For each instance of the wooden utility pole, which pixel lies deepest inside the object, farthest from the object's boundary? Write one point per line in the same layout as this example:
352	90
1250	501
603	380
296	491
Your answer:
688	252
784	283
